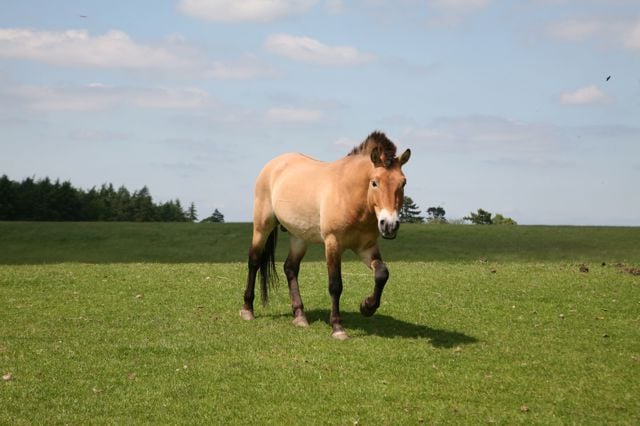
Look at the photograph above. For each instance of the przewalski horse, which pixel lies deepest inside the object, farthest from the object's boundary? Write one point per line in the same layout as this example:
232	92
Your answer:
344	205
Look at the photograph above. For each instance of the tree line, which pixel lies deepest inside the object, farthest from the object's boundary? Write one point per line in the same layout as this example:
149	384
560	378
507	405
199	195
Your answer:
410	213
44	200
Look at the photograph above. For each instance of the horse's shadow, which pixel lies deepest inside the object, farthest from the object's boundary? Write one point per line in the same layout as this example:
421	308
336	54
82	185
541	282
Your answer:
389	327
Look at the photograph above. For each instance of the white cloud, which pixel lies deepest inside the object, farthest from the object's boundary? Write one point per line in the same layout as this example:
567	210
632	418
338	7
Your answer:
617	32
459	5
575	30
485	135
309	50
95	135
244	10
631	37
335	6
453	12
502	142
294	115
244	69
96	96
167	98
585	96
114	49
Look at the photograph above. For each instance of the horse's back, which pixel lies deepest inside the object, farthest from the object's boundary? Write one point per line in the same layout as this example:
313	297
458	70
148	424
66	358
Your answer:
287	168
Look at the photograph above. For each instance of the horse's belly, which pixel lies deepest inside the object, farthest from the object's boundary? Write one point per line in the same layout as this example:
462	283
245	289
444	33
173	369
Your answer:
310	235
299	220
295	195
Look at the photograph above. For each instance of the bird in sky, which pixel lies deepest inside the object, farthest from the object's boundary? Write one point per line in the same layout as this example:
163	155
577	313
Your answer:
608	78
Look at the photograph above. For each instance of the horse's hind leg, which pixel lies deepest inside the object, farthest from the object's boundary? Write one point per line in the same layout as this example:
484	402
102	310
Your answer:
371	257
249	293
263	223
297	250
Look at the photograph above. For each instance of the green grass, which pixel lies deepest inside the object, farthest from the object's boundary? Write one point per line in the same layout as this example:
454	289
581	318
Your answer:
138	323
108	242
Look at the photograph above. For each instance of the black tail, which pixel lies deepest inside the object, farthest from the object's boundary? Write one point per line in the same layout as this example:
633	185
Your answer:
268	274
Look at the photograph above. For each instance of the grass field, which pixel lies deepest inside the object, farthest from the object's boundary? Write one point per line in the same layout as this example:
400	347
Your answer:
107	323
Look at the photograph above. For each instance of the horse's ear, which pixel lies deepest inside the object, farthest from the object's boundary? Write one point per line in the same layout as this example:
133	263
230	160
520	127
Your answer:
375	157
405	157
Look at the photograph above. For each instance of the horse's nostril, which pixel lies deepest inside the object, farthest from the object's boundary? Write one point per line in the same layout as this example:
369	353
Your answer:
381	222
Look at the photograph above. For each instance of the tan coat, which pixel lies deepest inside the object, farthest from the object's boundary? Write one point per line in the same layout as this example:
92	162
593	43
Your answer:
345	204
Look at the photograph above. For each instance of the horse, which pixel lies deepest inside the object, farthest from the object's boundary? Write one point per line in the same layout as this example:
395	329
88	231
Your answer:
345	205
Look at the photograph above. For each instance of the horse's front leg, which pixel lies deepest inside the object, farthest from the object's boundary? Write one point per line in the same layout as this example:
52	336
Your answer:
373	260
333	254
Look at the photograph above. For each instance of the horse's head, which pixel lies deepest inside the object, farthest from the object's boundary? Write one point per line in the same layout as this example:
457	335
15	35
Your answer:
386	191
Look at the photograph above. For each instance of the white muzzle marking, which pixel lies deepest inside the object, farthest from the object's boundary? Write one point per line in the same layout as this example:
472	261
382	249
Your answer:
388	223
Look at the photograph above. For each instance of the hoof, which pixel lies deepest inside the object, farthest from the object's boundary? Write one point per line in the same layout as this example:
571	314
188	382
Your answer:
340	335
300	321
246	314
365	310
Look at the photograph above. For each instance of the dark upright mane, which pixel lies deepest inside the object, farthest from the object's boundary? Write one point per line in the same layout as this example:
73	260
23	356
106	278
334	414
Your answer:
379	140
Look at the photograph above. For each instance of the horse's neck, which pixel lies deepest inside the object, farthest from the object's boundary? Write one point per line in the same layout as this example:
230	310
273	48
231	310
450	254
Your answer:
356	170
354	183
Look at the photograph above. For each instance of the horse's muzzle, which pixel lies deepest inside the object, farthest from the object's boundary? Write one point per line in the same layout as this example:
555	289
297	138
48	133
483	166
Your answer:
388	228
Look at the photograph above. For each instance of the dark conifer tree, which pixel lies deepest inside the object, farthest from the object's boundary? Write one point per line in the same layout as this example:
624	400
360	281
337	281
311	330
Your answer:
216	217
43	200
192	213
410	212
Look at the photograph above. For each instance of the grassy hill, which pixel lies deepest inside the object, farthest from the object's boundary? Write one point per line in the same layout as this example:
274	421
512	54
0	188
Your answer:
107	242
137	323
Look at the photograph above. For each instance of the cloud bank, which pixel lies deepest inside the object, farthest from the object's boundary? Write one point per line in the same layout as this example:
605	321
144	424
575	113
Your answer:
244	10
585	96
312	51
114	49
117	50
620	32
96	96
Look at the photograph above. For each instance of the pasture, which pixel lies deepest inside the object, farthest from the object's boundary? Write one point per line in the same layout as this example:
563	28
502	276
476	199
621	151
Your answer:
112	323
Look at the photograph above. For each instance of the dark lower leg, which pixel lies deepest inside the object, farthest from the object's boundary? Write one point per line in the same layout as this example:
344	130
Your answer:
335	290
291	269
333	254
249	292
381	275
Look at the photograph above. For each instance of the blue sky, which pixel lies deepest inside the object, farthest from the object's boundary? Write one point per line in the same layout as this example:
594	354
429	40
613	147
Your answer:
505	104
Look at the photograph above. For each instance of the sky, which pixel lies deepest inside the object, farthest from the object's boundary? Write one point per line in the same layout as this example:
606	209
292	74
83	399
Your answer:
527	108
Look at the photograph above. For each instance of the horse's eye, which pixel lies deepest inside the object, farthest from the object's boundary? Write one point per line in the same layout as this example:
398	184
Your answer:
374	183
